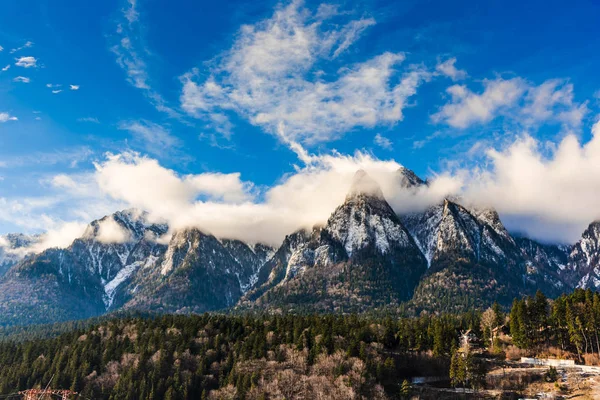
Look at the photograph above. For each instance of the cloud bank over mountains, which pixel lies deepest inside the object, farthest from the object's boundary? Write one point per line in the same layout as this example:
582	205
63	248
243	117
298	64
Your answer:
550	195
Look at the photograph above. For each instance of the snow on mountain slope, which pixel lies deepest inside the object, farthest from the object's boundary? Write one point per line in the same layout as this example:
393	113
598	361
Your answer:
450	230
250	259
366	219
197	273
583	267
546	260
130	238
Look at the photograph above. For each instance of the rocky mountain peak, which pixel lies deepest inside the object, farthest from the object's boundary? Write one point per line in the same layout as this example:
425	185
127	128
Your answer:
408	179
366	220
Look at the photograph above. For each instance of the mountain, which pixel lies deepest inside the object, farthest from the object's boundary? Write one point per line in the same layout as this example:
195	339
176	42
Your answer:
196	273
362	258
448	231
80	280
408	179
471	258
583	268
13	248
448	257
545	264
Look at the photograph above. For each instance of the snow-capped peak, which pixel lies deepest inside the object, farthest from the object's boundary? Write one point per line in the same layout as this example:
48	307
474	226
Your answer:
366	219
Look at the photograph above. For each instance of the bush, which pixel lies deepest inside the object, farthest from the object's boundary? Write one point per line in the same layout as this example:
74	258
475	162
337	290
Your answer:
551	375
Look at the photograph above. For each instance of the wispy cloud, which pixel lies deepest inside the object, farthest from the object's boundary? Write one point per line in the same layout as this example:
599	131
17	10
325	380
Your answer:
70	157
383	142
93	120
272	76
5	117
74	87
53	85
22	79
449	69
27	45
517	99
154	138
1	48
130	51
419	144
6	68
56	91
26	62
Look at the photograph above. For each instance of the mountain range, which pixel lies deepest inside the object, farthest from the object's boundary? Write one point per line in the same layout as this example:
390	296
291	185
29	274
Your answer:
447	257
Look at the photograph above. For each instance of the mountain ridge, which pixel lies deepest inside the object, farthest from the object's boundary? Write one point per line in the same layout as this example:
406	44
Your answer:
363	257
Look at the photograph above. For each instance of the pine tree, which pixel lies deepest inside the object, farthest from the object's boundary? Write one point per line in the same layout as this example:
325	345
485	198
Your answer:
405	389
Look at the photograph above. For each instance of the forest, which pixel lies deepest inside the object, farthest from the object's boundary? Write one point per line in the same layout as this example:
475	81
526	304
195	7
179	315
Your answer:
216	356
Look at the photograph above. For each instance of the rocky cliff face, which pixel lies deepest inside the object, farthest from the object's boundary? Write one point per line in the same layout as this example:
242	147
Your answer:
196	273
583	267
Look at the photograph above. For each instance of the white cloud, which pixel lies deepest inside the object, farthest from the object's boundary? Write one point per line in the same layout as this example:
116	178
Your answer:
26	62
155	138
27	45
383	142
548	194
6	68
1	48
466	107
93	120
553	100
351	33
74	87
448	69
119	172
67	156
29	213
5	117
224	205
109	231
272	76
53	85
62	236
22	79
66	205
516	99
130	51
56	91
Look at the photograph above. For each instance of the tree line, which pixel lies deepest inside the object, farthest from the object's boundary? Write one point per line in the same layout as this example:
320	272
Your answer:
199	356
570	322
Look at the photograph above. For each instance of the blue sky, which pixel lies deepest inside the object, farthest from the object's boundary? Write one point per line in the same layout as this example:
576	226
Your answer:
262	91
